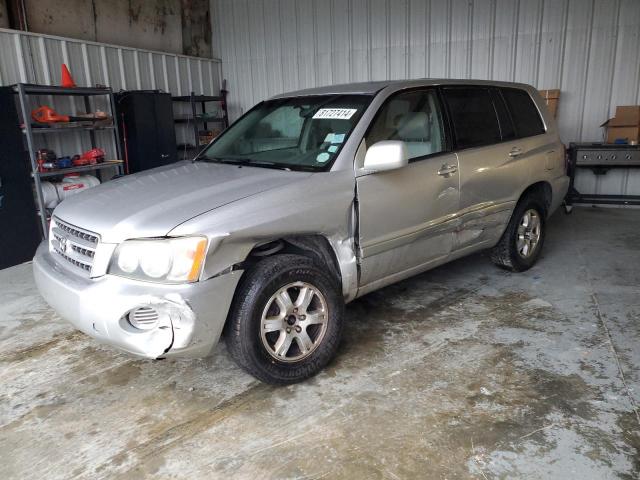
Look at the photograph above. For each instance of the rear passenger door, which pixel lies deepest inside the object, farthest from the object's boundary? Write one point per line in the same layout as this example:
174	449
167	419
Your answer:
541	149
490	155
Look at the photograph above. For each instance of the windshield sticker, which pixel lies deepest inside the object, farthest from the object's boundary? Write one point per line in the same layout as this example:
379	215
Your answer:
335	113
338	138
332	149
329	138
323	157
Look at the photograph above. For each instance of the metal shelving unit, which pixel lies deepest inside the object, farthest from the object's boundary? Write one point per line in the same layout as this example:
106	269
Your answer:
24	90
68	129
86	168
197	119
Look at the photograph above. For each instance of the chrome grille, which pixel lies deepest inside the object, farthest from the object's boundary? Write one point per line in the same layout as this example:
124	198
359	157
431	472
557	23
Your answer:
76	232
75	246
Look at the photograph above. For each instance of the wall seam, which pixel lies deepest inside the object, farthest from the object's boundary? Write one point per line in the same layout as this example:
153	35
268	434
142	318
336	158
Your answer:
470	13
614	54
492	41
539	43
585	82
514	51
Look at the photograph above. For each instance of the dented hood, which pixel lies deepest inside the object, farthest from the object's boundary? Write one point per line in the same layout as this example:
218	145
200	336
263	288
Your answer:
152	203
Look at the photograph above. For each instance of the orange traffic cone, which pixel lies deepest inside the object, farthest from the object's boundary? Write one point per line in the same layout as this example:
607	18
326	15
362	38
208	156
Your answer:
67	79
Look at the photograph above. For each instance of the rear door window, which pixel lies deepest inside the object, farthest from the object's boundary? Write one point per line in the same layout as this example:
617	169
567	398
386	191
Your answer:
473	116
526	117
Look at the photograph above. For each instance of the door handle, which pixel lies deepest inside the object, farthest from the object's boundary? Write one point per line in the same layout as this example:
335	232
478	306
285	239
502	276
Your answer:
447	170
515	151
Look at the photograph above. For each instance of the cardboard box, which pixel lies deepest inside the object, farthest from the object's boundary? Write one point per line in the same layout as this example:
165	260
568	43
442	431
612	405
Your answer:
551	97
625	126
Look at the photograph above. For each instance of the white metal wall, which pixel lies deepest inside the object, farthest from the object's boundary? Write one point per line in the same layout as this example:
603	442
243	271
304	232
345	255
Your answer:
34	58
590	49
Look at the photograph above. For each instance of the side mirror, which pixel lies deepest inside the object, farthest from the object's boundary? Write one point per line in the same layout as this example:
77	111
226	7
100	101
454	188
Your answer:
386	155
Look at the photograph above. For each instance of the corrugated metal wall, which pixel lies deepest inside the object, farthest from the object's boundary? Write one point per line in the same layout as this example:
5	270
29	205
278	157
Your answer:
33	58
590	49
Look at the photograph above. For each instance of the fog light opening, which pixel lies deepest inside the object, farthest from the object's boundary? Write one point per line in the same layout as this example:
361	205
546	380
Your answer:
143	318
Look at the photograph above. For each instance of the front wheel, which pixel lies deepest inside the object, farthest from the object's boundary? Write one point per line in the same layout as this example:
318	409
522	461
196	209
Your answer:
521	244
286	321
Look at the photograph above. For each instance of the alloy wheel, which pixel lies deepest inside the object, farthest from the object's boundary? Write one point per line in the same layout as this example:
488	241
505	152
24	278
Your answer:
528	234
294	322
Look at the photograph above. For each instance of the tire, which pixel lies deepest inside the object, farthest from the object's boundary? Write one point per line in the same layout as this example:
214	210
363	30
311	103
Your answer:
508	253
259	317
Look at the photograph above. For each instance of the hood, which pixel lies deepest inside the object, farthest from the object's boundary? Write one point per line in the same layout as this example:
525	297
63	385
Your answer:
152	203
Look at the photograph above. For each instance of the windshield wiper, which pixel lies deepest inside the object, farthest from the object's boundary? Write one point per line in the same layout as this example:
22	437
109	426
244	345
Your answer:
242	161
204	158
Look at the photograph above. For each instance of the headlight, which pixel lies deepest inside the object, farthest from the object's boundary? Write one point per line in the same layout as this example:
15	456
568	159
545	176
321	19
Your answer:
171	260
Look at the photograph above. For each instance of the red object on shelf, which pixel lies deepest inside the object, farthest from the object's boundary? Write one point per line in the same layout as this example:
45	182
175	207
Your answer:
45	114
82	162
90	157
96	154
67	79
46	159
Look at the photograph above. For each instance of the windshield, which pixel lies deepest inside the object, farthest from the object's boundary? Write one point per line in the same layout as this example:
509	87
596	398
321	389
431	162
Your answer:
301	133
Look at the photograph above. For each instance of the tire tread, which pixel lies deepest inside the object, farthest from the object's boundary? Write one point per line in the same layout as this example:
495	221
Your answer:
504	254
238	326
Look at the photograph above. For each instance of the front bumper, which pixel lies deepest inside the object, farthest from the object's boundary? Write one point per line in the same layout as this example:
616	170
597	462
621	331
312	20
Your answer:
191	316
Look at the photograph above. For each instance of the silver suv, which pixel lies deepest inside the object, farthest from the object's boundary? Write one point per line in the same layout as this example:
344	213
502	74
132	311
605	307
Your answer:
308	201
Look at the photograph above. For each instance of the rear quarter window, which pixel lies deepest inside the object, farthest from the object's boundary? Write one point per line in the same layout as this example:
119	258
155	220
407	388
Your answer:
473	116
525	115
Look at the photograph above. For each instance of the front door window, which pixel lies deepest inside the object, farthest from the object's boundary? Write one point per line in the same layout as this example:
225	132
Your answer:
413	117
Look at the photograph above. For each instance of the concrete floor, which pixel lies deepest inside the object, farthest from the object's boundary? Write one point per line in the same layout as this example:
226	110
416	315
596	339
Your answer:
466	371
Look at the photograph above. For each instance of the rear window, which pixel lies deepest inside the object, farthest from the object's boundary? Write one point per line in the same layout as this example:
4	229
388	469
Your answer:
524	113
473	116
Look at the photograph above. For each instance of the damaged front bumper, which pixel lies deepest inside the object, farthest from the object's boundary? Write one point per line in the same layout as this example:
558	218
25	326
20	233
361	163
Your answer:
188	318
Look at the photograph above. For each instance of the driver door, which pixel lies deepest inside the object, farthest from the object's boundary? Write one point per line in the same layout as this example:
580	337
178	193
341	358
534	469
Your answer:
407	216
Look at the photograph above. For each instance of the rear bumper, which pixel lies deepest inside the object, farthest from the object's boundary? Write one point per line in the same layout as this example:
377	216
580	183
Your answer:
191	316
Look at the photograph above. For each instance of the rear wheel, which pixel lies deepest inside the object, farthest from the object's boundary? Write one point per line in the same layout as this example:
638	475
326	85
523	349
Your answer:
286	321
521	244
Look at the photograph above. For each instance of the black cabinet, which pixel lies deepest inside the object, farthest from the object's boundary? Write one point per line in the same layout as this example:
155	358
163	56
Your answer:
148	137
19	231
